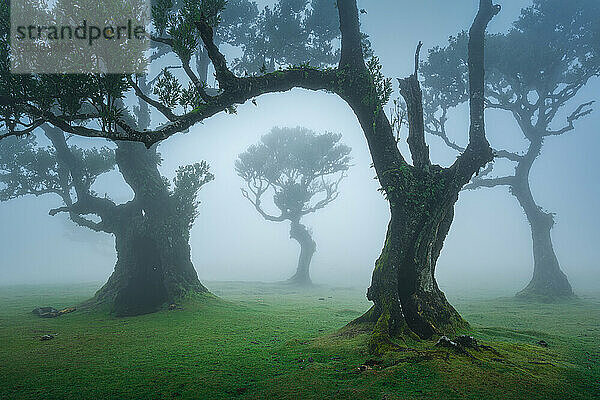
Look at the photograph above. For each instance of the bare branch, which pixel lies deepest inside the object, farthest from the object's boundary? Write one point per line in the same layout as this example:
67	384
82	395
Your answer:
580	112
478	151
447	141
196	81
86	203
567	93
256	203
65	126
410	89
79	220
486	171
500	106
225	77
55	211
508	155
476	53
246	89
490	182
35	124
95	226
331	193
162	51
417	53
440	131
162	40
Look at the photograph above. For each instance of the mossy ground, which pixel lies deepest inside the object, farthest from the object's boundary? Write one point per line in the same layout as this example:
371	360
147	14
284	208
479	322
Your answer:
269	342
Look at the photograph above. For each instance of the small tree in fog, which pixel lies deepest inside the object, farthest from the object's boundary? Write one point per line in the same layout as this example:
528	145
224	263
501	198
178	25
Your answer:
302	171
533	73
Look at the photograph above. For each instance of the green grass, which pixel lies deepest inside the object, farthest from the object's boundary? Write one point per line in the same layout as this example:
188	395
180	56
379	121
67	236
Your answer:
260	342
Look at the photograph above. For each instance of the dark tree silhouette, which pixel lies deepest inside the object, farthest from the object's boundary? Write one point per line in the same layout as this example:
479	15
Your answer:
291	32
534	71
421	196
302	170
151	231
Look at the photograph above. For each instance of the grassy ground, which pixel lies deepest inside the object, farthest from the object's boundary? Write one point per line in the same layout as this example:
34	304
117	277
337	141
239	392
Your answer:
264	343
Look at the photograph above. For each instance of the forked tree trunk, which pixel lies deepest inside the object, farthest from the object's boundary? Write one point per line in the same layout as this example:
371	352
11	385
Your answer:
308	247
549	281
405	294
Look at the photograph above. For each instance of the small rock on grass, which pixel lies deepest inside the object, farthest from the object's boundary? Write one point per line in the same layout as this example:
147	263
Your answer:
543	343
445	341
51	312
371	362
45	312
459	342
67	310
466	341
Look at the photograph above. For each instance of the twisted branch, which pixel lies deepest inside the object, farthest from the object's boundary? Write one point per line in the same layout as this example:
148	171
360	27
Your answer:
580	112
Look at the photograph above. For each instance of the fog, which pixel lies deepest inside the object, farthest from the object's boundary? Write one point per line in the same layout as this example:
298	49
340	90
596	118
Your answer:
488	250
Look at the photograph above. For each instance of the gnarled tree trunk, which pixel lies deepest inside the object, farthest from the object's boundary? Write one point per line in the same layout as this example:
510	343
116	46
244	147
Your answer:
422	196
154	265
308	247
404	291
549	281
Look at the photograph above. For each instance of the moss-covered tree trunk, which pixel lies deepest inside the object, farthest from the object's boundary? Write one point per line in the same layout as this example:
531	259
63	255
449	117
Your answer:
154	265
549	281
152	231
308	247
405	295
403	289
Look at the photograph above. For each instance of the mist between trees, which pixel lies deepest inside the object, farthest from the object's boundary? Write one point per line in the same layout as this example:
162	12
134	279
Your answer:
316	46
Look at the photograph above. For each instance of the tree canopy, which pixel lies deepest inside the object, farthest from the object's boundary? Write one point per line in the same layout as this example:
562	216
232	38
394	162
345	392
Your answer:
303	169
69	172
534	72
193	31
